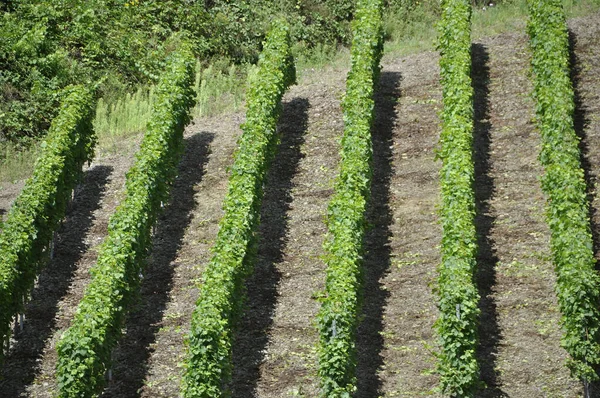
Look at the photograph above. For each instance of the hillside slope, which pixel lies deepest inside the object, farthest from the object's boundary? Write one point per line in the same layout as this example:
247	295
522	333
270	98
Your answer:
274	354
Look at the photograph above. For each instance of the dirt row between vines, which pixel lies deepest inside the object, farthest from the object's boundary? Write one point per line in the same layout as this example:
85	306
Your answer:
274	354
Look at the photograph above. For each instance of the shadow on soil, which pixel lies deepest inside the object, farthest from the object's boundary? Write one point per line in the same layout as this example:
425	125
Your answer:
580	121
377	239
21	365
143	323
489	330
253	329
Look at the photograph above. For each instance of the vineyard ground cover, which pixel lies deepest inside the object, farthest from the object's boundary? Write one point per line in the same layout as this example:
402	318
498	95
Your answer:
409	309
529	362
519	308
378	252
289	365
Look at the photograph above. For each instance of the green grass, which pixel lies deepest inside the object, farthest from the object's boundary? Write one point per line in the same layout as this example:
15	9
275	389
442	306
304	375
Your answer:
320	58
125	116
411	31
16	163
219	89
506	17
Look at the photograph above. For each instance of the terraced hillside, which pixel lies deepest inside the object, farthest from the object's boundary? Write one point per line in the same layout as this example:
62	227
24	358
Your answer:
274	354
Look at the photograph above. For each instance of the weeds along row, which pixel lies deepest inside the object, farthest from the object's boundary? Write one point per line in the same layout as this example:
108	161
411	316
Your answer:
338	317
208	365
84	350
458	295
578	283
27	240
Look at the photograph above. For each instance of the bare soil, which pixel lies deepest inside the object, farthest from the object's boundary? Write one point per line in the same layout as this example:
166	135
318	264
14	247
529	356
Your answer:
274	353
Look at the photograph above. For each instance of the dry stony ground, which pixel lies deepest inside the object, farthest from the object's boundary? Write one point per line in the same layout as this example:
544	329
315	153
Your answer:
274	354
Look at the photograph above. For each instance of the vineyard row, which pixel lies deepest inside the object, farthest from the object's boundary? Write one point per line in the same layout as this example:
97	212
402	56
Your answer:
338	317
458	295
208	365
578	282
84	350
27	236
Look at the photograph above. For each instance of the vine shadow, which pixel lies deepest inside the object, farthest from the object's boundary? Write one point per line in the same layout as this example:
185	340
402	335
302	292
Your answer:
580	122
21	365
261	298
377	258
143	322
489	329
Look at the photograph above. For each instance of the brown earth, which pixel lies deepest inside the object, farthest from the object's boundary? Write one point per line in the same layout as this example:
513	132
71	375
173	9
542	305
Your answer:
274	354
